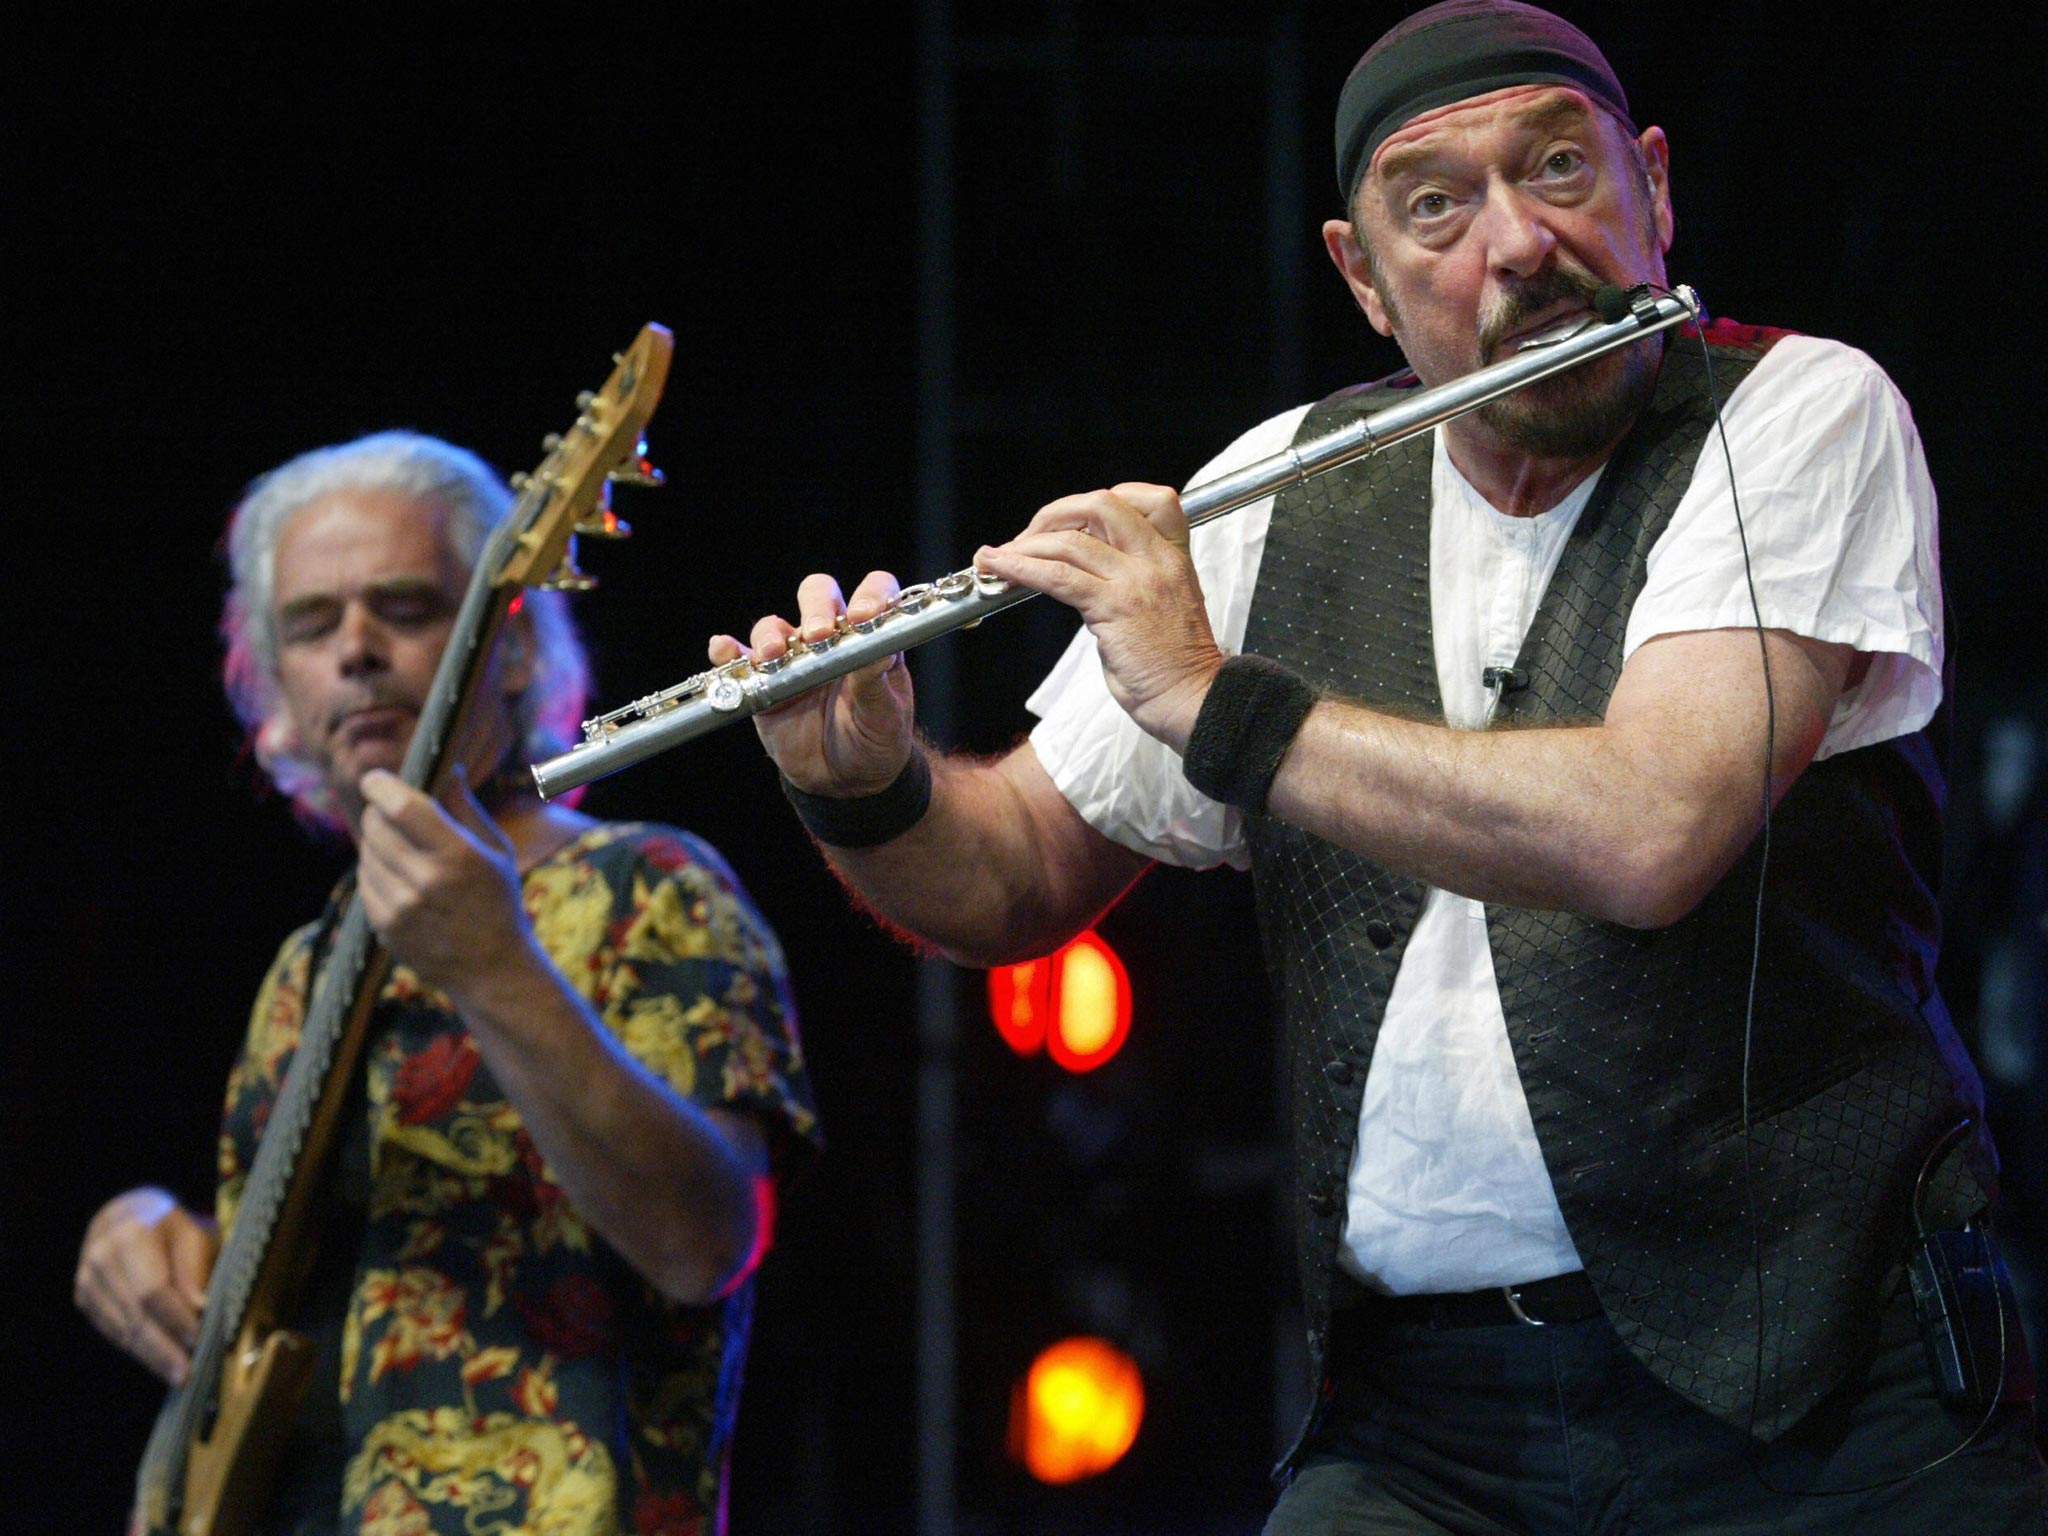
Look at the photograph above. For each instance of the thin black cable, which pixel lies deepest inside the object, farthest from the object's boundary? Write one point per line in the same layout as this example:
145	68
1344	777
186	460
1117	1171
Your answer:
1749	1022
1756	935
1756	938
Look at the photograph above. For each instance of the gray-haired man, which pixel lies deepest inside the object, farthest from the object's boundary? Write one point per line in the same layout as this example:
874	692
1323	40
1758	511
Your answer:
530	1301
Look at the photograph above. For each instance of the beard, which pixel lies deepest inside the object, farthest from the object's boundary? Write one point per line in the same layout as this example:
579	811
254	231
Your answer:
1581	411
1577	413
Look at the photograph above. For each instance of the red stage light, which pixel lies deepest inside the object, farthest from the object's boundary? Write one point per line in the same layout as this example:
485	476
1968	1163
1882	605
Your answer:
1075	1004
1091	1005
1019	998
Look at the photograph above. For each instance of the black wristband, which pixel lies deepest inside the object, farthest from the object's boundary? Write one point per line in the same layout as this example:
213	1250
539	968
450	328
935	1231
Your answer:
864	821
1247	722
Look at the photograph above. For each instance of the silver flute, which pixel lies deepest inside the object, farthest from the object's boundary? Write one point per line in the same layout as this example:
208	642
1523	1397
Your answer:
722	695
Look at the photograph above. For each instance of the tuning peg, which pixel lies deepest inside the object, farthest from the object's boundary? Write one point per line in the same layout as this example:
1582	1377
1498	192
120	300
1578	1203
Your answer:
601	522
637	472
566	577
585	399
551	442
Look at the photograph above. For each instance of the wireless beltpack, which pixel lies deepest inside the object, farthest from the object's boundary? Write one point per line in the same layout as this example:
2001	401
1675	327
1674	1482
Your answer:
1962	1295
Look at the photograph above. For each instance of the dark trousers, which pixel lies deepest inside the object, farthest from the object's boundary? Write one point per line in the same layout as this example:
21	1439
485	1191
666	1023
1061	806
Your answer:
1560	1429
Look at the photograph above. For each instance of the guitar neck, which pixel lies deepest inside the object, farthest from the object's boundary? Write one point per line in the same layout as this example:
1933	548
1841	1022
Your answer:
263	1254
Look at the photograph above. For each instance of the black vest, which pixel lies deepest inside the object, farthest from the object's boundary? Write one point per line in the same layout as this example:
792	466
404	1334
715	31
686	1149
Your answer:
1630	1042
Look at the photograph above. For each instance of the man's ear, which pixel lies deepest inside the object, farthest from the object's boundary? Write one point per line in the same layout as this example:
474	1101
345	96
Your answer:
1657	166
1341	241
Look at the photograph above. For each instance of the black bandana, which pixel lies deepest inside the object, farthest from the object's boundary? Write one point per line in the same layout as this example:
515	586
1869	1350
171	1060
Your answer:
1456	50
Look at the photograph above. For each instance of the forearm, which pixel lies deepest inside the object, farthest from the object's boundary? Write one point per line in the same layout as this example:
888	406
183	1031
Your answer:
999	868
1577	819
1631	819
651	1172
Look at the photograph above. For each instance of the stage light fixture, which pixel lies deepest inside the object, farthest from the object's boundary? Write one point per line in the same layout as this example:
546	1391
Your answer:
1075	1004
1091	1012
1076	1411
1019	997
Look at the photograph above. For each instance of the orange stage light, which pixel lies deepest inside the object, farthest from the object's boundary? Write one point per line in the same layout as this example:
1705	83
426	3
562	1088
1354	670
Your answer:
1076	1411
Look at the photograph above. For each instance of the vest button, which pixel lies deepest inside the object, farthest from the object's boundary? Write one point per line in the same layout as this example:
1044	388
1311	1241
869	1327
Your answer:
1339	1072
1322	1205
1380	933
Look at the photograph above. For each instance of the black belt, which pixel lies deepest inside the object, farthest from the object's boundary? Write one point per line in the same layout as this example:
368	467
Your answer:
1533	1304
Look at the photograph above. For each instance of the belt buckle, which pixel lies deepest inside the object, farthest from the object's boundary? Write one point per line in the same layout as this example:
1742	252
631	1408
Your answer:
1514	1301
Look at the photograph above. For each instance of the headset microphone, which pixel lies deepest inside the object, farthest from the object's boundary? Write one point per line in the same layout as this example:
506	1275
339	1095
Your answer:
1611	303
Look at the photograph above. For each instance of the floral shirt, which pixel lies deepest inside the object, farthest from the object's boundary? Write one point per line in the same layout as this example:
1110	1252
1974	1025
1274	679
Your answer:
500	1368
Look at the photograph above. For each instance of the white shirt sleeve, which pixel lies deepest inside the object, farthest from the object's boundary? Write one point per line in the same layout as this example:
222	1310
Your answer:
1126	784
1839	511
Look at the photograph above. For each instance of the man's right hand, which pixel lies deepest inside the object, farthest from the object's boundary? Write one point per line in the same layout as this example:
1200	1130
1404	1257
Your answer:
142	1275
853	735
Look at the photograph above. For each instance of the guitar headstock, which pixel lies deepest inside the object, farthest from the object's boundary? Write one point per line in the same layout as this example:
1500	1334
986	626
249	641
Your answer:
569	491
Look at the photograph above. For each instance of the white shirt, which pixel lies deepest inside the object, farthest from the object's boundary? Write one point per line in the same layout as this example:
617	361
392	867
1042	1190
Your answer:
1447	1188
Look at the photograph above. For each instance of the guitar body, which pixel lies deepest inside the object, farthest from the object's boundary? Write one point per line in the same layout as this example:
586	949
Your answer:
229	1473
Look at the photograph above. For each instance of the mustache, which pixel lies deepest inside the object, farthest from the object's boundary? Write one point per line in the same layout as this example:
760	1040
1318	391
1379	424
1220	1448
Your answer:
1529	298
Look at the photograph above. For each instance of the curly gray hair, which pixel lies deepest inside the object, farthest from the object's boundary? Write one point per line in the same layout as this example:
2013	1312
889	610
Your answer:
545	714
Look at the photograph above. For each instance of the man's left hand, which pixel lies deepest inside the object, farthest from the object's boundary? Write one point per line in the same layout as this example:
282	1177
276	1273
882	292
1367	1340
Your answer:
1120	559
440	884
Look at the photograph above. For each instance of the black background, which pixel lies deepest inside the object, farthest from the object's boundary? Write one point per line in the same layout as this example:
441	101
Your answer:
237	238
